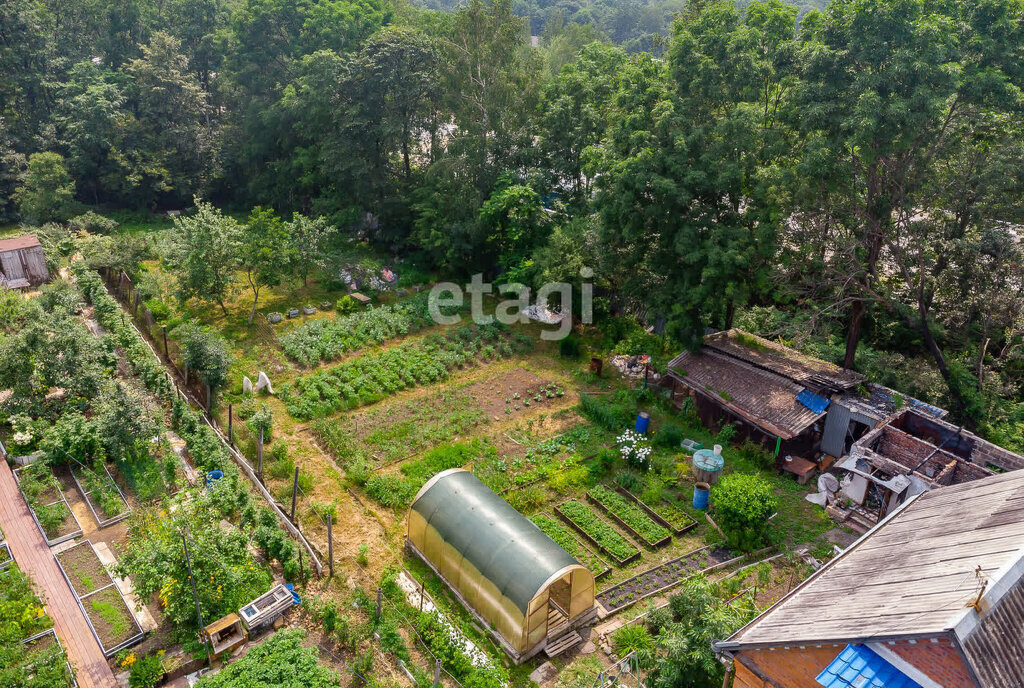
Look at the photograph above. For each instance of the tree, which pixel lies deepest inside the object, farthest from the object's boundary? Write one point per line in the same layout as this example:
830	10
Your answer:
172	135
264	252
276	662
206	353
204	254
743	504
309	238
689	225
47	191
575	111
510	220
885	85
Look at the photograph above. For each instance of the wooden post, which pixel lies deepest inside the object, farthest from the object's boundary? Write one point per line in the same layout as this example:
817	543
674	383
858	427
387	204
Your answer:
167	352
295	491
437	672
209	399
301	574
259	455
421	598
231	432
379	599
330	545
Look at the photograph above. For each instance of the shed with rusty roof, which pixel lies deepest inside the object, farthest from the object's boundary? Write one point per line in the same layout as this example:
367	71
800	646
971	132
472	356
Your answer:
22	263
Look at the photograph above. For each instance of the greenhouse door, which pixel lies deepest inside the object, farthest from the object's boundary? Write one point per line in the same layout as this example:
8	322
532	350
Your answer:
560	595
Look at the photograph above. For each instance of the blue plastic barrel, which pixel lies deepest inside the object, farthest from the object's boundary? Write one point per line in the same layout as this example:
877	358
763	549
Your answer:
213	476
643	421
701	495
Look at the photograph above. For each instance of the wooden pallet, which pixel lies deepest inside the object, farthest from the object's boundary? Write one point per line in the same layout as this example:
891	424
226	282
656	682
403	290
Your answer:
566	642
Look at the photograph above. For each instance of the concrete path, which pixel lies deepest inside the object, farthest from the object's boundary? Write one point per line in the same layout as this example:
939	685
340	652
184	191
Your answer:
35	559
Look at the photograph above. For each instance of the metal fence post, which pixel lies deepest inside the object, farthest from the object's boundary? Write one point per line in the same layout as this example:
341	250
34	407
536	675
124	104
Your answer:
295	491
330	544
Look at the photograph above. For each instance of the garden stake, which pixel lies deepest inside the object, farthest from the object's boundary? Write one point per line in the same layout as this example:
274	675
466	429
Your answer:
231	435
379	592
167	352
295	489
330	546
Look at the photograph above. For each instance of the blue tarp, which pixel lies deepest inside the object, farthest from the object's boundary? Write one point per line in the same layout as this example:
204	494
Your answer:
858	666
815	402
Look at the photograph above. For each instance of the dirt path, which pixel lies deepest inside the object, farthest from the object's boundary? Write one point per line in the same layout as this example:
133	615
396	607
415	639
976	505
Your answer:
34	557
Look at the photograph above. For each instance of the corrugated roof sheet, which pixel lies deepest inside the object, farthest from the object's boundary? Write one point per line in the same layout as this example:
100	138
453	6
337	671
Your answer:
503	545
761	397
914	573
26	241
858	666
996	647
790	363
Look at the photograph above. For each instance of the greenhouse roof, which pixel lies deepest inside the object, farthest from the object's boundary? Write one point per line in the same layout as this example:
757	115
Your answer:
501	543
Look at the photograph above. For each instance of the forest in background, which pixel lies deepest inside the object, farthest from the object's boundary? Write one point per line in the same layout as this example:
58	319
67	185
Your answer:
847	180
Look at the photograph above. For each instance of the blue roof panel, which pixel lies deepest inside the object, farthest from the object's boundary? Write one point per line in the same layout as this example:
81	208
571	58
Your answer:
858	666
813	401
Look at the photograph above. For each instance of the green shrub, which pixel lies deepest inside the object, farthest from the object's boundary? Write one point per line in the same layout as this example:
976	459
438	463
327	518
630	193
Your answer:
569	347
146	672
608	415
670	436
346	305
743	504
632	638
160	310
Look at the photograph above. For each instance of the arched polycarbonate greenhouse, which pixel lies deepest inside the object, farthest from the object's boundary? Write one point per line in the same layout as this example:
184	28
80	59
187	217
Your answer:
512	576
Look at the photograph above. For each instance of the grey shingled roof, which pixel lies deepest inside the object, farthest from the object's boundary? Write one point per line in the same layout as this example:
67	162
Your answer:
913	574
505	546
772	356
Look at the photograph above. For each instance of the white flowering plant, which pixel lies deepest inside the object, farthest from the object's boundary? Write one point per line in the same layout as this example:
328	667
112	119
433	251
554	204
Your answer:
635	449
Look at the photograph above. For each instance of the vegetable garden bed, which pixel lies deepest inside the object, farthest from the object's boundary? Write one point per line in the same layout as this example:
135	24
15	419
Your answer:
50	510
105	608
372	377
6	558
656	580
601	535
104	497
564	538
665	514
629	517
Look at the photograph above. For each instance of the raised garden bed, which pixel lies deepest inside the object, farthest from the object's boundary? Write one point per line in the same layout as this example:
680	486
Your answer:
601	535
657	580
6	558
50	510
106	610
83	569
104	497
663	513
629	517
564	538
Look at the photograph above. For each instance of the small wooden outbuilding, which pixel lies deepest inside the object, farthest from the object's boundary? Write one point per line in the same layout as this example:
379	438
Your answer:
22	263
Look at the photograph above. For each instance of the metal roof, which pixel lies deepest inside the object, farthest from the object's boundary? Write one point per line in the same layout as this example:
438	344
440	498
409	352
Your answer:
858	666
764	398
503	545
911	575
26	241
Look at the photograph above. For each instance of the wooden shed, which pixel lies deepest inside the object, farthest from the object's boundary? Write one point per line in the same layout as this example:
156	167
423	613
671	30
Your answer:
22	262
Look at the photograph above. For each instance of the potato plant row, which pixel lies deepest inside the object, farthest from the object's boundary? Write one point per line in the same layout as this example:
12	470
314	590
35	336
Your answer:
326	339
370	378
628	513
602	533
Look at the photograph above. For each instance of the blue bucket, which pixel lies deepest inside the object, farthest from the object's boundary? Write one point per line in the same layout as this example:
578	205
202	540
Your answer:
643	421
701	495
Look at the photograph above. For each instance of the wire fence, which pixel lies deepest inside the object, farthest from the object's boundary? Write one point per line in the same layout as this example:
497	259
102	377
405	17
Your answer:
198	396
